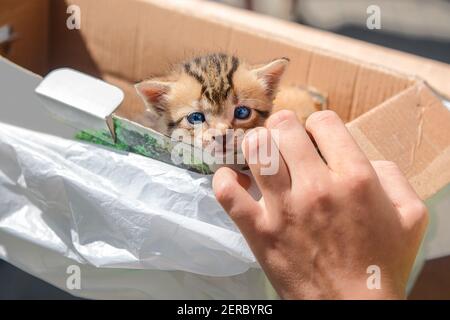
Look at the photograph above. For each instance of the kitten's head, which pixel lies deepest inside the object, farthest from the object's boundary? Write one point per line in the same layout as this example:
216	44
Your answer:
213	93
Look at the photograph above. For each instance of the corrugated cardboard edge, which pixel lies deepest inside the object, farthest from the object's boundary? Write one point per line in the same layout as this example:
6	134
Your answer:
413	130
165	32
436	73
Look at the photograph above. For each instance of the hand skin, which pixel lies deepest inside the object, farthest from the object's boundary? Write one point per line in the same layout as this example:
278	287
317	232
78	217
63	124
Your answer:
319	226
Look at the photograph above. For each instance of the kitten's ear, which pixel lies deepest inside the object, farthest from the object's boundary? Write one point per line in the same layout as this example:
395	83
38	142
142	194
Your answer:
271	73
153	92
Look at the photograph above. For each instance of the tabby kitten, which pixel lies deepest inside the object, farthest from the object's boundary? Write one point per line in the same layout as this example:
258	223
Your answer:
214	93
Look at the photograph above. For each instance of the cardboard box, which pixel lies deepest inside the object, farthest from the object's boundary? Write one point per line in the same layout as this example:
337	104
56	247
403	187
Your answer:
392	115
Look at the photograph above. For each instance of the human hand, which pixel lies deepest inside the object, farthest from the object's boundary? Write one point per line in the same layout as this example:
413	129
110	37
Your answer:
319	226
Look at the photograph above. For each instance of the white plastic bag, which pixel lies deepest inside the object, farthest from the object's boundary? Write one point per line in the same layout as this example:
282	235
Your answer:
94	207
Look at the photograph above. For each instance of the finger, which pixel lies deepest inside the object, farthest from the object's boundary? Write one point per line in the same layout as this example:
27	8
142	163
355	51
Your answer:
401	193
267	166
335	143
229	188
243	180
296	147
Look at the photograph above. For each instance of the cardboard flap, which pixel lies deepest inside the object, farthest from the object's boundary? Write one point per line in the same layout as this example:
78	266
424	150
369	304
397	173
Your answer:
413	130
153	35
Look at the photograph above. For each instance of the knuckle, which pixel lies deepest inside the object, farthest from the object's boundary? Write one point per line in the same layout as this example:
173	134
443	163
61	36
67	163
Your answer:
321	118
285	115
318	195
321	196
418	210
280	117
360	179
224	191
267	232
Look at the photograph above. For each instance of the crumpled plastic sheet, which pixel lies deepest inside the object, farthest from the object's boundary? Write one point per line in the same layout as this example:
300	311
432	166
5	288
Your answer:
105	210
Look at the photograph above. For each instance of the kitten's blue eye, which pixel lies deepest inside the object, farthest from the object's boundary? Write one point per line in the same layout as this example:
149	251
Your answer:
242	112
196	118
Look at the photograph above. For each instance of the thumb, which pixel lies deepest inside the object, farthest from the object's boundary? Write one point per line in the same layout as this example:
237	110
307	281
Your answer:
237	202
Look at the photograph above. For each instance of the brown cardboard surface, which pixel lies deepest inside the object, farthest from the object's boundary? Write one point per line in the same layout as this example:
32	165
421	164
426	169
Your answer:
162	33
411	129
373	86
124	41
436	73
29	19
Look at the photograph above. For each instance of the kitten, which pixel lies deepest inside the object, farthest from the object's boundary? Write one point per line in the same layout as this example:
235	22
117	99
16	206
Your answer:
217	92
